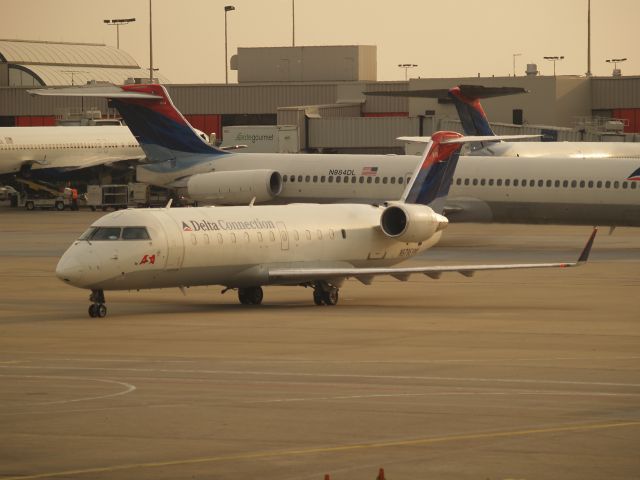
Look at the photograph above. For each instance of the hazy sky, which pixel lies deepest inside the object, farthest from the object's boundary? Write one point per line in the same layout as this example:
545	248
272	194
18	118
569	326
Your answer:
445	38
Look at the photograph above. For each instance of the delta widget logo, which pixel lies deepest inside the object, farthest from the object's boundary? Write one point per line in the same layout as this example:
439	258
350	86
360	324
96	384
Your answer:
635	176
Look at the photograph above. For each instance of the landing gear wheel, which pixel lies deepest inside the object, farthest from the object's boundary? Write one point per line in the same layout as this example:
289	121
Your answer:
97	307
250	295
30	205
318	296
59	206
330	297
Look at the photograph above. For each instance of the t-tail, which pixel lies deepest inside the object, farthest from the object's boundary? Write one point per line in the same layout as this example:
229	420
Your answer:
162	131
430	182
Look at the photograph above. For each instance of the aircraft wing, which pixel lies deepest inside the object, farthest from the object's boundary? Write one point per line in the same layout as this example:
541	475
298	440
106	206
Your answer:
365	275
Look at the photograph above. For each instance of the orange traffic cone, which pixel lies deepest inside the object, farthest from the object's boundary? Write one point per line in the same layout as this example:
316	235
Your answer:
380	474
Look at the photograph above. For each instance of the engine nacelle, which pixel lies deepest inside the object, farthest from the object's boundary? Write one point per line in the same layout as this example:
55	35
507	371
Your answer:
411	222
235	187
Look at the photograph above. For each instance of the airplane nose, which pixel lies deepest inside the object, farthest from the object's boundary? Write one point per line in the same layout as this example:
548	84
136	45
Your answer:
69	270
442	221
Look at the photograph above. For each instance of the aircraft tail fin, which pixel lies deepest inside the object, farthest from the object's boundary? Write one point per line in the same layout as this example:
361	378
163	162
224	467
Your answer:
162	131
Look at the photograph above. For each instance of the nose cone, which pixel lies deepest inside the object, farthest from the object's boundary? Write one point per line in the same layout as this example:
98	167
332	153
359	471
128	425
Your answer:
443	222
70	270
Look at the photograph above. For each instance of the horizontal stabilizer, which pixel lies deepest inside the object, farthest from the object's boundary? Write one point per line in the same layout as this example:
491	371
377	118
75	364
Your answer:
469	91
101	91
470	138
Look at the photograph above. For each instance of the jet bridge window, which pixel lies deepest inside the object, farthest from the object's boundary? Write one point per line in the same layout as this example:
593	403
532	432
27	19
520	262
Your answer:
135	233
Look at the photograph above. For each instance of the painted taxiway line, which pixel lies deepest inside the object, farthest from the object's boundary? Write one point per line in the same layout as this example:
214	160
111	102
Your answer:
334	449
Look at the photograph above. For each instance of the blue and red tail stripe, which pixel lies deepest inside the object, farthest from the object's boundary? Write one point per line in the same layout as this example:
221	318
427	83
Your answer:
474	120
161	130
635	176
433	180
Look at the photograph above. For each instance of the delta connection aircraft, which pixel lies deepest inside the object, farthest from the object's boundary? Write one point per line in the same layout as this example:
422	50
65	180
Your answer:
247	247
566	188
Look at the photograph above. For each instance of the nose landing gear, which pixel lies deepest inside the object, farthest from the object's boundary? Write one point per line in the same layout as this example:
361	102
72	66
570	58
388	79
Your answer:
98	307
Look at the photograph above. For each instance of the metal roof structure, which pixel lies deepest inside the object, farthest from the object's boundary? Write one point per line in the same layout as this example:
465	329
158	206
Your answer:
61	63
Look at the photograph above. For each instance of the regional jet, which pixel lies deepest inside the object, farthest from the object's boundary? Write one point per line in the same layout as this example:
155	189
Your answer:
248	247
486	188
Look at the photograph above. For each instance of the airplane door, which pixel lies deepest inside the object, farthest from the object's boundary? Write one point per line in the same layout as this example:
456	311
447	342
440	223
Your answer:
175	243
284	235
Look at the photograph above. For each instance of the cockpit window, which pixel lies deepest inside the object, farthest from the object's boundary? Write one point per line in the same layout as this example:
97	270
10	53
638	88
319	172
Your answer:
88	233
135	233
106	233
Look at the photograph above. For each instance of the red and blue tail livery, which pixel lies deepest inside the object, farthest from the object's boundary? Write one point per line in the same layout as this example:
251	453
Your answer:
635	176
432	179
162	131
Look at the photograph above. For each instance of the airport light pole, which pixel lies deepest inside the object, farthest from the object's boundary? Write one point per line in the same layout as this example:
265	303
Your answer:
150	46
117	22
406	67
514	62
293	23
554	60
227	9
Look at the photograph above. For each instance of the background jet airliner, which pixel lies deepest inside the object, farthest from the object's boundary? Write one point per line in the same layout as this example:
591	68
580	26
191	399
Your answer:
556	189
56	150
311	245
473	118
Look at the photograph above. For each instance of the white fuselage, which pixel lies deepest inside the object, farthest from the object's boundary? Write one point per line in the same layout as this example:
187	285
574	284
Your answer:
568	190
231	246
64	148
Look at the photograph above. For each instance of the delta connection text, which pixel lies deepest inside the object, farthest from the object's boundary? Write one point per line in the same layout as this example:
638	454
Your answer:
207	225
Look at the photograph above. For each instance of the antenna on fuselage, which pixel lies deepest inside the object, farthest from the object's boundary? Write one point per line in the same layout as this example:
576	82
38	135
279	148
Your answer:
253	200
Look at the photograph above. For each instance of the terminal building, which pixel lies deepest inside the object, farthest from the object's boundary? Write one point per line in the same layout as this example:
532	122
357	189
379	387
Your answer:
315	97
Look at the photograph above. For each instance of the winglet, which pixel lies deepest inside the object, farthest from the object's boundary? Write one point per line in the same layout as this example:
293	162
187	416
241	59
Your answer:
584	256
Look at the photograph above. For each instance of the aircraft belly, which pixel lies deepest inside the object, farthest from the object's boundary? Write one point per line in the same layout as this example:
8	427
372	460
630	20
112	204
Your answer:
565	213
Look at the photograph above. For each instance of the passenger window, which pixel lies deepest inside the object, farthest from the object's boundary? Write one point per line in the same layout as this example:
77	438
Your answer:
590	184
308	234
548	183
338	179
353	179
393	180
300	178
307	178
322	179
540	183
345	179
475	181
332	234
296	235
330	179
246	237
260	238
491	182
633	185
369	179
344	232
515	182
624	184
582	183
466	181
319	234
523	183
599	184
135	233
499	182
574	183
206	239
607	184
400	180
556	183
385	180
616	184
315	179
377	180
292	178
233	238
458	181
220	239
482	181
565	183
272	236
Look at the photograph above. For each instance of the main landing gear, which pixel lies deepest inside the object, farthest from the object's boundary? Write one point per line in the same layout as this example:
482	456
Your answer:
250	295
325	294
98	307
